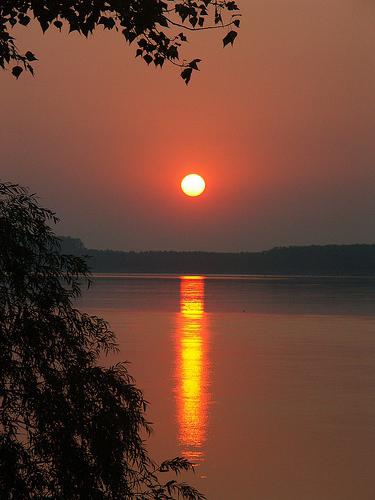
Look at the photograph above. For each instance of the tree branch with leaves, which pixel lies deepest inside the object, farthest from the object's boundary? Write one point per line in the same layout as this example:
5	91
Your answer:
156	27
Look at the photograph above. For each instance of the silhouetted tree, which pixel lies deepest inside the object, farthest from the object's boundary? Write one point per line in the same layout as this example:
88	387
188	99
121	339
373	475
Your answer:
69	428
154	25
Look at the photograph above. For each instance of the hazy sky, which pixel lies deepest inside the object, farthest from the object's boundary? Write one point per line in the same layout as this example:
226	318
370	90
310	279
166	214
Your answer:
281	127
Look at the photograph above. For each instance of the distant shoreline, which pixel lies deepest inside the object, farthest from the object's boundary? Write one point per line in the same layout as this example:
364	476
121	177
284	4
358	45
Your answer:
298	261
255	277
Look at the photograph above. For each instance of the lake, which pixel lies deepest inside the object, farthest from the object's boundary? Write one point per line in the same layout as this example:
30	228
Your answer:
266	383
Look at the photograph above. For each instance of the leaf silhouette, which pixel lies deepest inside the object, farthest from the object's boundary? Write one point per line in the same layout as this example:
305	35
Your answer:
193	64
16	71
186	74
30	56
229	38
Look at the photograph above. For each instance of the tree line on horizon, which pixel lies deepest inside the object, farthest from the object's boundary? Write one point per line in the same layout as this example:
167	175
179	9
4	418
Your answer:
356	259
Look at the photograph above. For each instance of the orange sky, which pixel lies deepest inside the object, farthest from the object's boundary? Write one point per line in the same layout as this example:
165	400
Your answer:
281	127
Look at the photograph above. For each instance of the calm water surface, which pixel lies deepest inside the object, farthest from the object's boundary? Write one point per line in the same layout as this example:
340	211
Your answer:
267	384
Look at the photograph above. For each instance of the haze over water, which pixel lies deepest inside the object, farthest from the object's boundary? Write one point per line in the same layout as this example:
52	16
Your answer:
267	384
283	132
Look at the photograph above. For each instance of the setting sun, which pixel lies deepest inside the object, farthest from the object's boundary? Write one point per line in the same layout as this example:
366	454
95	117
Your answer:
193	185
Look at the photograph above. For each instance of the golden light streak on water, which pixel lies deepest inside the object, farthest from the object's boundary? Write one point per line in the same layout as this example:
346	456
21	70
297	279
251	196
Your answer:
192	368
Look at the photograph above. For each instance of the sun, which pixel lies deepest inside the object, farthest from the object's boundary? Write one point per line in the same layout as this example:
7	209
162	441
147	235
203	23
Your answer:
193	185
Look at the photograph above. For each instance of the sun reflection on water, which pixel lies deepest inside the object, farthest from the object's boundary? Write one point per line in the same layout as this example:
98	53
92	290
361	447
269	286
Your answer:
192	368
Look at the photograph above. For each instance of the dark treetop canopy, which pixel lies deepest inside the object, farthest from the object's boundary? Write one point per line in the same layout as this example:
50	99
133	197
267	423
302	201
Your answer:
154	25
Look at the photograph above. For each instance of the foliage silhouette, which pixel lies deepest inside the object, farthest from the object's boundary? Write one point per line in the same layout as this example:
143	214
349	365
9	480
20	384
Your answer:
69	428
154	25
